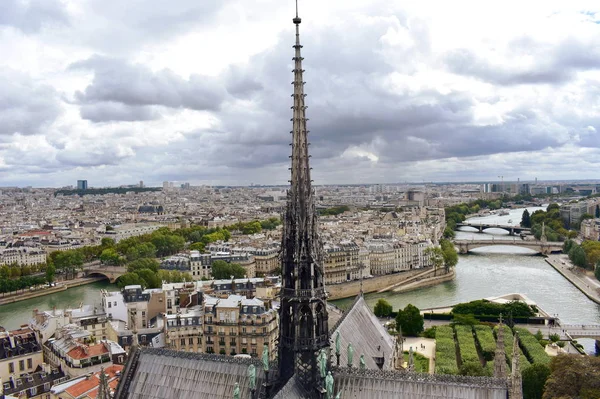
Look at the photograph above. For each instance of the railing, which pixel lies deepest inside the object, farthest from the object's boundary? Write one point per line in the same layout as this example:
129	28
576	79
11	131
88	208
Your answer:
306	293
306	342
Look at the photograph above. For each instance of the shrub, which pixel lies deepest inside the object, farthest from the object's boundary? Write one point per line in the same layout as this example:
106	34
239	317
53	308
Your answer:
445	351
532	348
466	345
429	333
485	338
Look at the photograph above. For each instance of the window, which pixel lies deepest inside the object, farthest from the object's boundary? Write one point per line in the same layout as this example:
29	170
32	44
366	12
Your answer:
144	338
182	341
115	303
109	305
29	363
11	367
21	365
191	341
199	340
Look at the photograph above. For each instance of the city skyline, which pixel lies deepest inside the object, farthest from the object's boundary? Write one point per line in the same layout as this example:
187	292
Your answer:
196	93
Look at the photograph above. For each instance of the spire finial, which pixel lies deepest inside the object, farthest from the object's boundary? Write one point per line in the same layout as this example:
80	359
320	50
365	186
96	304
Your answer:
297	20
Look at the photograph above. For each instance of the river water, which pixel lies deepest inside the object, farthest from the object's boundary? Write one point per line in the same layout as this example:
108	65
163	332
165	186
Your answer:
15	314
491	271
500	270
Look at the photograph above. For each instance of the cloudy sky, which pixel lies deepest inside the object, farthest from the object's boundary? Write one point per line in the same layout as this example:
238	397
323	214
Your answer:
117	91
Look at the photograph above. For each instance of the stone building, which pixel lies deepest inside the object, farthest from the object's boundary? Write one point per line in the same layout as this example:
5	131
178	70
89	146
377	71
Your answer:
20	353
341	262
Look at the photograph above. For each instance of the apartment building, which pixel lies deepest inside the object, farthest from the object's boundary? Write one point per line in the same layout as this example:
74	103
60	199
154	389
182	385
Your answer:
20	353
23	256
238	325
341	262
35	385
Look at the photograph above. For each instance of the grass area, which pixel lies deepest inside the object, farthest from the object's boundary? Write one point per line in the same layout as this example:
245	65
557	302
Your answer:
421	362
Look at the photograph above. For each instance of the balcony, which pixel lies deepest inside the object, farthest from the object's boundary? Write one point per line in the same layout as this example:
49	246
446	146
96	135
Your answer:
308	293
306	343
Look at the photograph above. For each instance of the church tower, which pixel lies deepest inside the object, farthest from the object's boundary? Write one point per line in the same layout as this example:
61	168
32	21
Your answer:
303	328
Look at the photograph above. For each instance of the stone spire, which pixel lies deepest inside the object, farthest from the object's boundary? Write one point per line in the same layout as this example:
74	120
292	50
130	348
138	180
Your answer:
516	382
500	355
303	313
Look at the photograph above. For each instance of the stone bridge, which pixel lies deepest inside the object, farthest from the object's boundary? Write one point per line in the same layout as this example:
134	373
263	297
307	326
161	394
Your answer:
512	230
543	247
111	272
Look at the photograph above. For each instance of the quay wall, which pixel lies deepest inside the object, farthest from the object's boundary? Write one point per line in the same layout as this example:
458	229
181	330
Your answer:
63	286
378	283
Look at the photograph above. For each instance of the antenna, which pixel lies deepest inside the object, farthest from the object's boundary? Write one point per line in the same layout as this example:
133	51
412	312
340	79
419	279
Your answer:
296	8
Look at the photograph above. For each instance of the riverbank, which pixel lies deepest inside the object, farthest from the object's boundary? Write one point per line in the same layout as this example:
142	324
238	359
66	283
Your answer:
45	290
589	286
402	281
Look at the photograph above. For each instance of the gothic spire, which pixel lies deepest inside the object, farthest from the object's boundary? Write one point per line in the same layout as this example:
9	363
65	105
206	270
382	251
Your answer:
303	314
516	380
500	355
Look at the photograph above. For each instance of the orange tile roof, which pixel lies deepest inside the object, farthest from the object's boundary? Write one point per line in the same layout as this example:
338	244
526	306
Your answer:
92	350
90	385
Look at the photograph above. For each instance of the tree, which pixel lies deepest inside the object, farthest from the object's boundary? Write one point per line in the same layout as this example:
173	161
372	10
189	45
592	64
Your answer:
144	263
50	272
410	320
151	279
597	213
130	279
534	379
597	271
573	377
107	242
197	246
526	219
382	308
436	255
110	257
224	270
577	256
449	254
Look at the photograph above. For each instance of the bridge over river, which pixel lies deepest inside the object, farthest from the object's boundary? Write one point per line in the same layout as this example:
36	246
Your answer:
111	272
512	230
543	247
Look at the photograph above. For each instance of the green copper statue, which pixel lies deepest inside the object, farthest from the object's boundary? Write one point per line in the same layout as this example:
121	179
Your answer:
322	363
329	385
265	358
362	362
339	395
236	391
350	354
338	343
252	376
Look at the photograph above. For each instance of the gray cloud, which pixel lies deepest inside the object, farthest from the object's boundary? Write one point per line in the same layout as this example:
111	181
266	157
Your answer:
113	111
553	64
26	106
32	15
119	82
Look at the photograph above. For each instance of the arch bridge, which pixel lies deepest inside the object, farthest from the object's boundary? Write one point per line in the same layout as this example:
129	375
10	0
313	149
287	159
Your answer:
512	230
543	247
110	272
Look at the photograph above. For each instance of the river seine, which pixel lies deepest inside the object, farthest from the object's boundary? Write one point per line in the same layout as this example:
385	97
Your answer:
490	271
